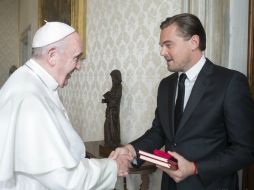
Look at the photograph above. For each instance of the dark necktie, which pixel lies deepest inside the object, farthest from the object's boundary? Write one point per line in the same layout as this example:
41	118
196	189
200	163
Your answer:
179	100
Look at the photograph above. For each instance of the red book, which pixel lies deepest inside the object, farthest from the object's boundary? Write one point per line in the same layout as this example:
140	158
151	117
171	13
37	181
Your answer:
159	158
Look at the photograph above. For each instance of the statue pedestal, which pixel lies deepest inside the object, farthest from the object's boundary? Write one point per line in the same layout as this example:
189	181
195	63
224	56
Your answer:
105	150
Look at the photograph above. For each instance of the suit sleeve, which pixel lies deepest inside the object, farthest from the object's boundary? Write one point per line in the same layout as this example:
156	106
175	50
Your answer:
239	121
155	137
152	139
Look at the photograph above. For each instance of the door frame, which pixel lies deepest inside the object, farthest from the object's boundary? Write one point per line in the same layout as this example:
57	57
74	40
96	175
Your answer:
250	68
248	173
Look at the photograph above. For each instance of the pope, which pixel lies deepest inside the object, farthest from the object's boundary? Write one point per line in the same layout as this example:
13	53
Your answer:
39	149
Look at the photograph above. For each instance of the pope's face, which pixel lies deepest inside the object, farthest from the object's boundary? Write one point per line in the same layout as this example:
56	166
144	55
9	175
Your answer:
69	59
176	50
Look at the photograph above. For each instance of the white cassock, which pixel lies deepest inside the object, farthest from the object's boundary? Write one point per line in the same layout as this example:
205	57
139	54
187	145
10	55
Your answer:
39	149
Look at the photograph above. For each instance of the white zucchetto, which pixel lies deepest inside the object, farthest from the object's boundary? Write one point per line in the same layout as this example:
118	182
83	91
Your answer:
51	32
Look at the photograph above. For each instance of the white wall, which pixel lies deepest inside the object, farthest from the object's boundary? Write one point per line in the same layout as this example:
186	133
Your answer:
238	47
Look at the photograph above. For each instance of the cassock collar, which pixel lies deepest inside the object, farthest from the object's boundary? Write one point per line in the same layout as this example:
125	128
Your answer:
46	78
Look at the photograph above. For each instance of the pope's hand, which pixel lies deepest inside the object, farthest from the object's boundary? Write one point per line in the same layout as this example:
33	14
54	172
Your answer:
123	165
123	156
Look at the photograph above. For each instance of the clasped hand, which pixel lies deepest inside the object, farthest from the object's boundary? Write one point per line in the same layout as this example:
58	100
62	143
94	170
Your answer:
123	157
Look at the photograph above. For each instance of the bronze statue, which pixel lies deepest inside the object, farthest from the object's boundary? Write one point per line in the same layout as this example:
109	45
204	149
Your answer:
12	69
112	123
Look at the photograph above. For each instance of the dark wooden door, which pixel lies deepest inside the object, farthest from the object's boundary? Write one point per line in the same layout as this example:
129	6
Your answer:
251	47
248	173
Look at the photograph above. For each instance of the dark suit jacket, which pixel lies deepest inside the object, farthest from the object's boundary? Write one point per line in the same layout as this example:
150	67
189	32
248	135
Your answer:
216	129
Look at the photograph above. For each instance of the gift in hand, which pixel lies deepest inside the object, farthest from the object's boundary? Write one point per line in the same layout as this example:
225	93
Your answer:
159	158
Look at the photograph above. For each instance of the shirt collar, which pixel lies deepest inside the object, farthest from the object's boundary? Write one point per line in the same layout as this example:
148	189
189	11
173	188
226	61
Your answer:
46	78
193	72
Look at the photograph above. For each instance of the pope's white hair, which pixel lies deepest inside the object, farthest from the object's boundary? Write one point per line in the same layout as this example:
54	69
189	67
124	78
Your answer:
39	52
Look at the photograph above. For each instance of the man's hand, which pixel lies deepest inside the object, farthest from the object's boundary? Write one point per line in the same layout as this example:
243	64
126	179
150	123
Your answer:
127	149
185	168
123	156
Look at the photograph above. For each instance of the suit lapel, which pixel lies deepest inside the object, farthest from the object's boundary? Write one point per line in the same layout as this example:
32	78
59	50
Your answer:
172	94
197	92
166	101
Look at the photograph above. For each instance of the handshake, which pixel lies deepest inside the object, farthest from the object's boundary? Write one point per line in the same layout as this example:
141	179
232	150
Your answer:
123	157
172	163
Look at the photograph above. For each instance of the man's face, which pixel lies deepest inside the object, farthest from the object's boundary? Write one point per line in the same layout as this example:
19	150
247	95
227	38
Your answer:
68	59
176	50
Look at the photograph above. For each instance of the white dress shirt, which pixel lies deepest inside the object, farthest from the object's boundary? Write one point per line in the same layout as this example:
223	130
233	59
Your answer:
192	75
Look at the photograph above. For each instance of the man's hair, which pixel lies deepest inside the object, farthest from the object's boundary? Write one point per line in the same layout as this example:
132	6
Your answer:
188	25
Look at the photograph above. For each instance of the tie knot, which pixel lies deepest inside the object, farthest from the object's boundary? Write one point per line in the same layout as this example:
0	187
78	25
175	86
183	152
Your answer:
182	78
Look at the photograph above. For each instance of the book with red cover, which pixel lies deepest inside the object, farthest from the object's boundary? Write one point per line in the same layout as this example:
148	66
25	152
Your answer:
159	158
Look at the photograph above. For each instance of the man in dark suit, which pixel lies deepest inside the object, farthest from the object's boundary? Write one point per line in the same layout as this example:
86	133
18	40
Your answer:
213	135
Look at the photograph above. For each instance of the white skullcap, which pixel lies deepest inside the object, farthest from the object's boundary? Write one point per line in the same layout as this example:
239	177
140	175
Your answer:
51	32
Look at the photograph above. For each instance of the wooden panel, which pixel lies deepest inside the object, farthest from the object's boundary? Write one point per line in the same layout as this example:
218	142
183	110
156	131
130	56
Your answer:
248	173
251	47
72	12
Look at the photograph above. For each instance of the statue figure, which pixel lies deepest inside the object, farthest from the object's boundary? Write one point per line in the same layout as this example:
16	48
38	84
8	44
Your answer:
12	69
112	123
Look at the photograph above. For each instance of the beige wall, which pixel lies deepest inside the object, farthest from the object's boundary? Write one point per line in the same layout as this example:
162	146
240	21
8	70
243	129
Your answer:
28	15
122	35
8	37
28	24
124	38
16	16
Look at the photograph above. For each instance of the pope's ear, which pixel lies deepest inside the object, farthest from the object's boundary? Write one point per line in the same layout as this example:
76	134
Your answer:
52	56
